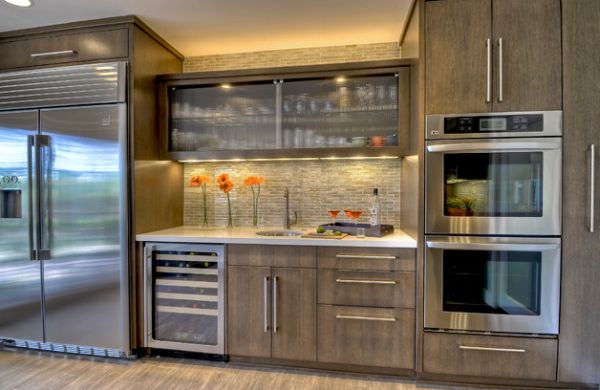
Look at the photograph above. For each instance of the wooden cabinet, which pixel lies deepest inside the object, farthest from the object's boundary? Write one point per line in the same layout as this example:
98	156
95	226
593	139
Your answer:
492	55
579	347
366	306
248	308
272	302
63	47
490	356
291	112
367	336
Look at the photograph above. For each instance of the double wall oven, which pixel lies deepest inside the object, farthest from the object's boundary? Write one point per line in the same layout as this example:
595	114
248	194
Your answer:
493	222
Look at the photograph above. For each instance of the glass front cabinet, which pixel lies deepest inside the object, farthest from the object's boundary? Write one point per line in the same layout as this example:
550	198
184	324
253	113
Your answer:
330	114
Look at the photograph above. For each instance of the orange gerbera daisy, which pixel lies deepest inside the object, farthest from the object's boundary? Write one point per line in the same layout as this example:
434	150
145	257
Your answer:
198	180
227	186
254	180
222	178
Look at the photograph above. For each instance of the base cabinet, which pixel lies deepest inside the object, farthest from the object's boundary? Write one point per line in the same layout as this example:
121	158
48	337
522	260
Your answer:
272	306
490	356
367	336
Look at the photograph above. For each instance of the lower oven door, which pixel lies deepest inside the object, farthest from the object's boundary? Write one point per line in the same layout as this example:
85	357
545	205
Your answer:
494	187
492	284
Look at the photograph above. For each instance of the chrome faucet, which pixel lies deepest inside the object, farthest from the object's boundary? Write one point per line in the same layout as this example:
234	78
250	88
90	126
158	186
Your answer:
287	221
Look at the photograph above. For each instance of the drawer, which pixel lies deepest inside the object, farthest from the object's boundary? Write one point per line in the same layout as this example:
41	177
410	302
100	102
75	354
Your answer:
366	336
272	256
369	259
490	356
63	48
361	288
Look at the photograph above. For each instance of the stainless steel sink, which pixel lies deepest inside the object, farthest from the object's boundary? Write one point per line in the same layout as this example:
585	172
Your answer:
279	233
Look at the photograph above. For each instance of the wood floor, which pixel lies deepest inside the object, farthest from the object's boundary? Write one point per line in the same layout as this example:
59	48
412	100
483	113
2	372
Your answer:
43	371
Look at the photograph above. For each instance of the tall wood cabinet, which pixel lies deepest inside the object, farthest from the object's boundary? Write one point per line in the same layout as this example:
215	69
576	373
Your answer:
272	302
579	346
492	55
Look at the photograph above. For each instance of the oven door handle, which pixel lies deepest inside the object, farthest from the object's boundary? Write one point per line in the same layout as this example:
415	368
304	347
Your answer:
492	246
487	146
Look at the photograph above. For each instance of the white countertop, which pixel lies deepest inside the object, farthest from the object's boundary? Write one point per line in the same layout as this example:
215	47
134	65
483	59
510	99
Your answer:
191	234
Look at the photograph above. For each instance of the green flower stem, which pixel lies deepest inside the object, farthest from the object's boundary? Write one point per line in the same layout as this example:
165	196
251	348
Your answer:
229	218
205	220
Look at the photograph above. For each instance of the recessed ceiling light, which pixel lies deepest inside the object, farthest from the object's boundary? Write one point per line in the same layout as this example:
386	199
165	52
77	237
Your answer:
19	3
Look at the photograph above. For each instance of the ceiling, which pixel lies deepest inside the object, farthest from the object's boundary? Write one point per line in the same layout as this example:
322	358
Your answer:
201	27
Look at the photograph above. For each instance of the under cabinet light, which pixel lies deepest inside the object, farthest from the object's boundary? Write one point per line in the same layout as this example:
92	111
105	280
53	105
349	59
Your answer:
226	86
340	79
19	3
289	159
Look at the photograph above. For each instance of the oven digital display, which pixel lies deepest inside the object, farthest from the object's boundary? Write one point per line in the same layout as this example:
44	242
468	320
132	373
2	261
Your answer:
492	124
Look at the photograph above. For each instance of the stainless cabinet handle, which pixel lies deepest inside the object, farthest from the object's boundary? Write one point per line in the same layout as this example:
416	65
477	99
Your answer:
54	53
275	279
364	318
266	304
360	281
500	71
30	145
372	257
592	185
474	348
488	96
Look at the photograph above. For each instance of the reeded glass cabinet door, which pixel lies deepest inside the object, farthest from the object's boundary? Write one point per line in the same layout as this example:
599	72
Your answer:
223	117
340	112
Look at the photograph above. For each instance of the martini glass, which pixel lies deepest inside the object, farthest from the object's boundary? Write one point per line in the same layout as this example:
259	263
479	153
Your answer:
333	214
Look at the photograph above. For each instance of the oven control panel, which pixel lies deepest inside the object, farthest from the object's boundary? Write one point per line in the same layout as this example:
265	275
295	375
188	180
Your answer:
488	124
526	124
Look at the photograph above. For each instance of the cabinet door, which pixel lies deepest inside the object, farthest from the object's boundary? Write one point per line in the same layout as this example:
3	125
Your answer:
456	58
579	347
294	313
527	65
248	308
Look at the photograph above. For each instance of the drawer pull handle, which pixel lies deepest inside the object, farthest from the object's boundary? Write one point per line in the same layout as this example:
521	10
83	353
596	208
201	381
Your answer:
472	348
54	53
359	281
374	257
365	318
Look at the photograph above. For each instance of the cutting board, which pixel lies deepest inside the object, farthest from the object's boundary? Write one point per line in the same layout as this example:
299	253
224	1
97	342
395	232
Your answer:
325	236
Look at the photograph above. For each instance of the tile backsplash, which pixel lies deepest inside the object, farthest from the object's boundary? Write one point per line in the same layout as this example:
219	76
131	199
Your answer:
314	186
293	57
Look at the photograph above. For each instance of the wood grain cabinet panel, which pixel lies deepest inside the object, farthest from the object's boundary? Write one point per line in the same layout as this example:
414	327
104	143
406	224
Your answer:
456	56
492	55
366	336
368	259
490	356
579	347
531	55
363	288
65	48
295	314
249	311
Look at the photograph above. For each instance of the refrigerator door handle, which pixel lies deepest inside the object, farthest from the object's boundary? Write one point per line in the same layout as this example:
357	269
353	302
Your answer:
32	247
42	244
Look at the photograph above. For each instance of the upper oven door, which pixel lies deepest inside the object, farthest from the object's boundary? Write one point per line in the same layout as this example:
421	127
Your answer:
494	187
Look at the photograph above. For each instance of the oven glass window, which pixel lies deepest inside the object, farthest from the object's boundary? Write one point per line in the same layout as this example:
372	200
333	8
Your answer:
507	184
497	282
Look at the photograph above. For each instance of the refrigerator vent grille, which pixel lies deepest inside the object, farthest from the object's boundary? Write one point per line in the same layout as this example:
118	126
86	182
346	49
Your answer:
63	86
64	348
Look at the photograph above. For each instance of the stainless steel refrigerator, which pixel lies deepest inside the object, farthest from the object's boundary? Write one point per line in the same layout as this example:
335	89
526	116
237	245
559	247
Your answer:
63	210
